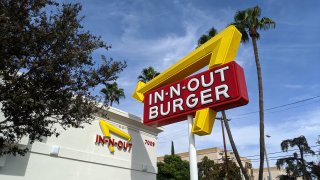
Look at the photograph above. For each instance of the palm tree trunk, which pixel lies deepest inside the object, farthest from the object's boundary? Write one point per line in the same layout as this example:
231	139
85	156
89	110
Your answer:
234	148
261	109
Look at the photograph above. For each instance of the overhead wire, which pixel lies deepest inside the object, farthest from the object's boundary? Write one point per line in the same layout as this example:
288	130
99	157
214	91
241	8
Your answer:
272	158
289	150
279	106
278	157
253	112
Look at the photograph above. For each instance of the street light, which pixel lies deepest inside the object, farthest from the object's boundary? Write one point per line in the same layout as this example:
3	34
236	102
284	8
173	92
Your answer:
265	151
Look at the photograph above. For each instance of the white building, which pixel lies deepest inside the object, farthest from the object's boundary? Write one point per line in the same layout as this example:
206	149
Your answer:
76	155
274	171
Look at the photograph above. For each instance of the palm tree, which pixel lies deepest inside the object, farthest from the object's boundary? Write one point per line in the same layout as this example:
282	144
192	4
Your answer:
204	38
147	74
112	93
248	23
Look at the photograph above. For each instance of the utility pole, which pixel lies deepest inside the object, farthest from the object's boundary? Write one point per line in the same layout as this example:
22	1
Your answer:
235	151
265	151
225	148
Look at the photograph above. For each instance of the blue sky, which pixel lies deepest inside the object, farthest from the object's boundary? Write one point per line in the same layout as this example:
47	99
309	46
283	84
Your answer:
159	33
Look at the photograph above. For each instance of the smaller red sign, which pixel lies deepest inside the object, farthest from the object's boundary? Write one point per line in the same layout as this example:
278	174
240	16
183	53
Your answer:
122	145
220	88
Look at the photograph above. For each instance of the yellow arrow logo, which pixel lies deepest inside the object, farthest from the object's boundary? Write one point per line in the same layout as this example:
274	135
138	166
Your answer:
107	127
219	50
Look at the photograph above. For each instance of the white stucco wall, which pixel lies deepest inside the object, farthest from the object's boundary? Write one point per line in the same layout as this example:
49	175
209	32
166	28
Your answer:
81	158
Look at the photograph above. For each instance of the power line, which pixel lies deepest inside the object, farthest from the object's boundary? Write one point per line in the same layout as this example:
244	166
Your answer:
277	157
244	116
280	106
283	152
253	112
284	156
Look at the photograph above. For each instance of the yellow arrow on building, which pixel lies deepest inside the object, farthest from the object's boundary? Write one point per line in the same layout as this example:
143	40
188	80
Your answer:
219	50
107	127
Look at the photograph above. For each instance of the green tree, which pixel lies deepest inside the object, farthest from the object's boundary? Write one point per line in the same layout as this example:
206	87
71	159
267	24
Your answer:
172	148
112	93
209	170
296	165
318	142
147	74
206	168
233	171
203	39
248	23
286	177
46	70
315	169
173	168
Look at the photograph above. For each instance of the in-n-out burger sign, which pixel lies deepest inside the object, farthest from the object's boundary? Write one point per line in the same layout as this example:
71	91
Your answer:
219	88
169	97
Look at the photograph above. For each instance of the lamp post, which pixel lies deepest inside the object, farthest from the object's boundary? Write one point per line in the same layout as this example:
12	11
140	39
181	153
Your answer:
265	151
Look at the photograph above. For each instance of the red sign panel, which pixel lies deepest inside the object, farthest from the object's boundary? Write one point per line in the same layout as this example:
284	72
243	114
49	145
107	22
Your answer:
220	88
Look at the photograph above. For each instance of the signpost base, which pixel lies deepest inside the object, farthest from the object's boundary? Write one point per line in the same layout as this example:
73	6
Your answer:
192	151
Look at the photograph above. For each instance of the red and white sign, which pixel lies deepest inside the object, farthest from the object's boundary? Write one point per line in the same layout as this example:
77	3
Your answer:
122	145
220	88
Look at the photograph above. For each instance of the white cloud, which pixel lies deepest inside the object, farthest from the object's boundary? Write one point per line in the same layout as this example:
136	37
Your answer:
164	50
245	56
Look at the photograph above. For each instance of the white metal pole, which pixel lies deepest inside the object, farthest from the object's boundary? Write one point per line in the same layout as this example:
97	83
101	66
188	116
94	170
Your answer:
192	151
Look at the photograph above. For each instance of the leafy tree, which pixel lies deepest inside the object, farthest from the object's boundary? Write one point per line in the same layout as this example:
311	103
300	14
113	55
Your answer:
203	39
208	170
234	171
315	169
296	165
173	168
147	74
248	22
112	93
172	148
286	177
46	70
318	142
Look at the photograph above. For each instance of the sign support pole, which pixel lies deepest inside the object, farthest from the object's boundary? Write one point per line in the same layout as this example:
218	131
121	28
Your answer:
192	151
